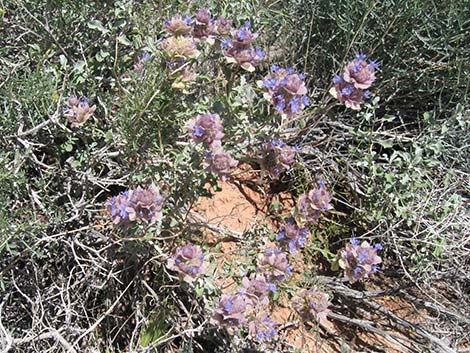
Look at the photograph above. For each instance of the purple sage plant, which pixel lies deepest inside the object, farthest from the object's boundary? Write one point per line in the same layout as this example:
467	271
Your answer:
257	288
314	203
292	235
276	158
239	49
231	311
188	261
204	26
206	128
178	26
311	304
136	206
222	26
286	90
262	328
274	265
78	111
220	162
359	260
351	88
359	72
180	48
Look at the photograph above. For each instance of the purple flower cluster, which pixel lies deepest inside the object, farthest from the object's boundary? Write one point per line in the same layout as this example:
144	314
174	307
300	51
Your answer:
262	328
276	157
286	90
231	312
351	88
179	48
314	203
178	26
257	288
136	206
220	162
292	235
247	308
359	260
239	49
311	304
206	128
188	262
274	265
78	111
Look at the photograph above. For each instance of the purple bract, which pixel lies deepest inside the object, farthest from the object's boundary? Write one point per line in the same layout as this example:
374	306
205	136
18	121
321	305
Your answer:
78	111
239	49
292	235
220	162
274	265
286	90
206	128
359	260
314	203
136	206
188	262
311	304
231	311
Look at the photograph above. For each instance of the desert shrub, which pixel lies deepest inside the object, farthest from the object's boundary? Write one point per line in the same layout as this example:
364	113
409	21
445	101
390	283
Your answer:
115	123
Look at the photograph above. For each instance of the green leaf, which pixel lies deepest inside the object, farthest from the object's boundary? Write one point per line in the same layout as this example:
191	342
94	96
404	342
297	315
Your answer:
385	143
123	40
96	24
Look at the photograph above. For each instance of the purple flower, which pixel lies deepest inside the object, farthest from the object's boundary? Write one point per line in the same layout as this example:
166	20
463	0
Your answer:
188	261
274	265
136	205
359	73
78	111
347	90
222	26
360	56
206	128
338	79
231	311
221	163
241	51
314	203
257	289
286	90
140	61
270	83
226	43
311	304
292	235
354	241
358	261
178	26
262	328
347	94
